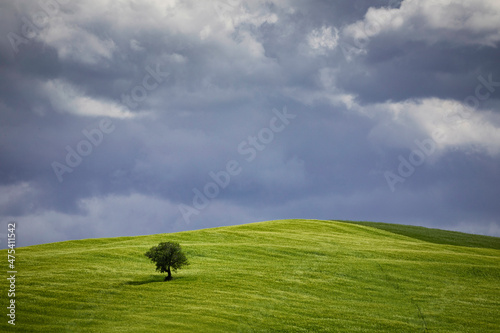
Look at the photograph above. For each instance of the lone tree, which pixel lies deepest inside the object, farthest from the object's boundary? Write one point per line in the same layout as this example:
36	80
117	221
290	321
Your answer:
166	256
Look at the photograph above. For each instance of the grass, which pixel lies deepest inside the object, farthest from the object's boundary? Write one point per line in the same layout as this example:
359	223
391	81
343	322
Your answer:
435	235
277	276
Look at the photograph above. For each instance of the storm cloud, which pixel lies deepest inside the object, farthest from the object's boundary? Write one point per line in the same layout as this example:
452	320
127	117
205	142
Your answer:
129	118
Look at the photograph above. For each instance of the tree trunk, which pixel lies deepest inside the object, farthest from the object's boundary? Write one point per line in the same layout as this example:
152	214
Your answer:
169	276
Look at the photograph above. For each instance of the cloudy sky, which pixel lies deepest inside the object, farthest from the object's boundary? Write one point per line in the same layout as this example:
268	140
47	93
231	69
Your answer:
132	117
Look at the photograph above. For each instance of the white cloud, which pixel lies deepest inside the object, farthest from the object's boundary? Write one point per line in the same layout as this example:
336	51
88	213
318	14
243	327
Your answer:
66	98
323	40
71	32
136	45
77	44
456	22
233	13
252	46
19	194
449	123
329	93
205	32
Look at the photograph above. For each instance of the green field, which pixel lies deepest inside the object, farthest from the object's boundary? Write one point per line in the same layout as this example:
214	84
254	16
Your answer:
277	276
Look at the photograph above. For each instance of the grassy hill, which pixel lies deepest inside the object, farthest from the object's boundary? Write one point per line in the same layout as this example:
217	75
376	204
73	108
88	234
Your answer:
277	276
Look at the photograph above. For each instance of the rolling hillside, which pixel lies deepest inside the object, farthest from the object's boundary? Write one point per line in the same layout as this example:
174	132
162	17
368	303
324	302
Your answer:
277	276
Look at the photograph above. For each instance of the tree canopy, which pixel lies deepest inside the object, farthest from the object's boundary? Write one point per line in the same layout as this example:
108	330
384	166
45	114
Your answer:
167	256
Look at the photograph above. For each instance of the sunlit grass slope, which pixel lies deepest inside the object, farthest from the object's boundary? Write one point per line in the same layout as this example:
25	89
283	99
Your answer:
277	276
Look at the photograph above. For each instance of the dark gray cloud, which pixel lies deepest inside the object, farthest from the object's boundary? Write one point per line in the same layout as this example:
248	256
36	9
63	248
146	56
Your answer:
166	116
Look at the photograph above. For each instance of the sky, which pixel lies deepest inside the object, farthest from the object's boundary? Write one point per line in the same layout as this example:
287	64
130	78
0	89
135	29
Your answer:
123	118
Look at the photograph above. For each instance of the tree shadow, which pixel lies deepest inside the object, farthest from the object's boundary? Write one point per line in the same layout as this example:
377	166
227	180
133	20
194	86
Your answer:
149	279
152	279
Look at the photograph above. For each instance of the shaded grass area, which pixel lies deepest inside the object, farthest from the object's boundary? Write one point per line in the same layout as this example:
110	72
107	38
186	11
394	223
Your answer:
436	235
277	276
